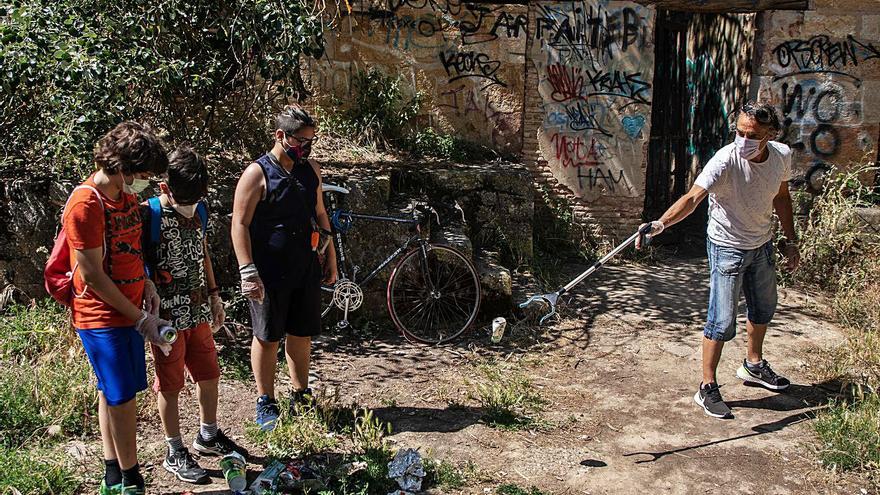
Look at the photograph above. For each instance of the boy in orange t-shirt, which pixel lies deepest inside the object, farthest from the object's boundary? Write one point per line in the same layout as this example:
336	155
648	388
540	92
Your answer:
103	226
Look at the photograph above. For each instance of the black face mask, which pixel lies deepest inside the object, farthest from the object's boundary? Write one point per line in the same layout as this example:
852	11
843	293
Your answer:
306	151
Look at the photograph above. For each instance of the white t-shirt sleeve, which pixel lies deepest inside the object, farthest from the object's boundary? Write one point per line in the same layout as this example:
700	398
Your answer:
714	173
785	151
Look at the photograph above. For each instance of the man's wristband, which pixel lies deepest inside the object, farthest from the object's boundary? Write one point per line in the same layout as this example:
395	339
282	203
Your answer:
214	291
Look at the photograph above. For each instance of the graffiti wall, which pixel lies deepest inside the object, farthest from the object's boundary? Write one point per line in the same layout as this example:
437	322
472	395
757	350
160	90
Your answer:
594	63
822	72
465	59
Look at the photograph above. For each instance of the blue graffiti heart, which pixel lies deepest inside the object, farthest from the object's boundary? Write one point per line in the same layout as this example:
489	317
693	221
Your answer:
633	124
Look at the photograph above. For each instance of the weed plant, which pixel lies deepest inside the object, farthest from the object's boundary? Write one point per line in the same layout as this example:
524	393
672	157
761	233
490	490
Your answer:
508	399
850	435
840	255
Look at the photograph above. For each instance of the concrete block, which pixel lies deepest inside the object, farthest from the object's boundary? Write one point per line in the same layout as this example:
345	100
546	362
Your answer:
837	26
870	28
871	101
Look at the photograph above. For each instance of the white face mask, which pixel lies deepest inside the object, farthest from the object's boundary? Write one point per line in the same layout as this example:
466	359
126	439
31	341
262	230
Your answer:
747	148
186	210
137	186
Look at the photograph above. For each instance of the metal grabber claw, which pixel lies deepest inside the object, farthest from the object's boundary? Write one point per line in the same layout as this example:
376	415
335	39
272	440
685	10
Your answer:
553	297
549	299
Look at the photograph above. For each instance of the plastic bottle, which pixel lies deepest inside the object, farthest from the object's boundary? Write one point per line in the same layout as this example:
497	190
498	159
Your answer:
233	466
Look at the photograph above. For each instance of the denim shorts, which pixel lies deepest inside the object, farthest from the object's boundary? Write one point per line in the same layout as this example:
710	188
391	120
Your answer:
750	271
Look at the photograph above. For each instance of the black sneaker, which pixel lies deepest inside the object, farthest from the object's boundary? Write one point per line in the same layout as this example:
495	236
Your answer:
301	400
181	463
763	375
220	445
709	398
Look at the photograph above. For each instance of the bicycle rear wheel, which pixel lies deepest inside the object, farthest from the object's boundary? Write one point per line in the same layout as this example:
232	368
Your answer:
433	294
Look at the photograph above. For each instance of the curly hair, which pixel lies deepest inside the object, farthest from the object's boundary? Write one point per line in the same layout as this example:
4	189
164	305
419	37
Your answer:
187	175
131	147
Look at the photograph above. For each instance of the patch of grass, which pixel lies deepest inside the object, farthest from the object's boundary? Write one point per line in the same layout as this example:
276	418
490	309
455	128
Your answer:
45	377
514	489
35	472
508	399
323	426
56	390
27	333
448	476
298	435
850	435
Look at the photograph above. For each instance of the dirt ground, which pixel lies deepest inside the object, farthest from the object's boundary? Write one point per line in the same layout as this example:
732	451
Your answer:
619	373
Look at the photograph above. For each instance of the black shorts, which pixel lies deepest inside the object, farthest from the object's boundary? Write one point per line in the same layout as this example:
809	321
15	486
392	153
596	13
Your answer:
287	311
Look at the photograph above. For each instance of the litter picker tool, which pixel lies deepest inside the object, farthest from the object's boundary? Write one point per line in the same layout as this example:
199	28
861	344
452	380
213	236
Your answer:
551	298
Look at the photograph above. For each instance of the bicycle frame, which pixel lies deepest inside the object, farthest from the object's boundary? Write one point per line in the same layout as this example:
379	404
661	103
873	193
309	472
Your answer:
340	245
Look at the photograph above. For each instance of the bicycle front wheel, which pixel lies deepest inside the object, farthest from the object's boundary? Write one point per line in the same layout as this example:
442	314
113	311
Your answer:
433	294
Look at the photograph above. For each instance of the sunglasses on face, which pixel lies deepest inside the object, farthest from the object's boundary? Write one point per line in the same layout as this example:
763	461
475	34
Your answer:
303	141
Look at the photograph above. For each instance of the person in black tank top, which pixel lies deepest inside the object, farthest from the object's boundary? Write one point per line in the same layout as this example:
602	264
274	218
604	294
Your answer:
278	205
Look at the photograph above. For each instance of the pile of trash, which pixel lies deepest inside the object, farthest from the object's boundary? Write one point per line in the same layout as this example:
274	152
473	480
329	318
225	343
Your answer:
298	476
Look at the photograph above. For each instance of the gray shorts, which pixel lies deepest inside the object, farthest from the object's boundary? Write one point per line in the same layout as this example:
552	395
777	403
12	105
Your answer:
287	311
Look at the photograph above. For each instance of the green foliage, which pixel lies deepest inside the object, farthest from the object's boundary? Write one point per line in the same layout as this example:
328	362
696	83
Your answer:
54	391
428	142
28	333
448	476
205	72
559	233
508	399
850	435
514	489
840	255
43	380
35	472
378	113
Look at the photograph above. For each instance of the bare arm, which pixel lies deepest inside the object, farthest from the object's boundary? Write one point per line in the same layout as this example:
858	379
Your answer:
250	189
782	205
684	206
324	222
91	269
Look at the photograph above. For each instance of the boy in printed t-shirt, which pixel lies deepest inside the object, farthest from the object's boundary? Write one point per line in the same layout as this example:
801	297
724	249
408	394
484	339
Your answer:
103	227
177	258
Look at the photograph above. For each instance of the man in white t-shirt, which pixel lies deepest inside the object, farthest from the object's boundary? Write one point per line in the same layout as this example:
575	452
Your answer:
745	181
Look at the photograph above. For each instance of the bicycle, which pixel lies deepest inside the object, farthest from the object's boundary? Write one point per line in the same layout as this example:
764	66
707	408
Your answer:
433	293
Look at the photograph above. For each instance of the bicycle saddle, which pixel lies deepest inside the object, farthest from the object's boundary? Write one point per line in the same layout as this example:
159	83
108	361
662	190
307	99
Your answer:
333	188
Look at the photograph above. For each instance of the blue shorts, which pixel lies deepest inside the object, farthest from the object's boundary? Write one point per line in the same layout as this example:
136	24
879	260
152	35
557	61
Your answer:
750	271
119	361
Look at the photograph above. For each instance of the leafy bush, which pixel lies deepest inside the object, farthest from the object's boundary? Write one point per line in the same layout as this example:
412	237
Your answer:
378	113
428	142
206	72
841	256
34	472
850	435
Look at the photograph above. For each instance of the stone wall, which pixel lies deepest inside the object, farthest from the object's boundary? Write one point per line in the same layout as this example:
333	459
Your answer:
567	85
465	59
588	106
821	69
